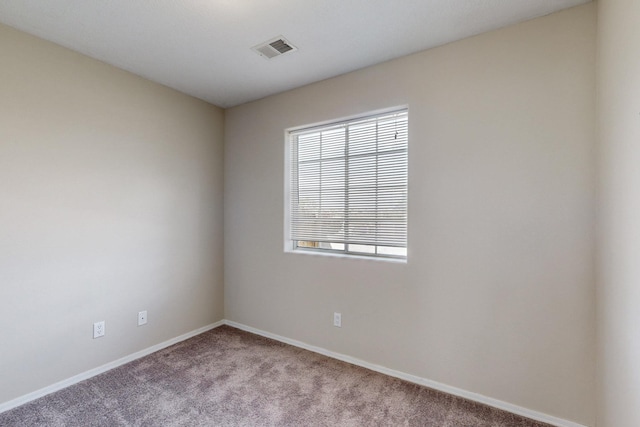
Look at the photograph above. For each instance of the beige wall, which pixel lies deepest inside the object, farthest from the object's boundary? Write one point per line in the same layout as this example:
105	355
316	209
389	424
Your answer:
497	296
619	278
110	203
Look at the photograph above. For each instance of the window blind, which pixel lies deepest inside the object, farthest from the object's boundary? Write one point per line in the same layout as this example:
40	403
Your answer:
349	186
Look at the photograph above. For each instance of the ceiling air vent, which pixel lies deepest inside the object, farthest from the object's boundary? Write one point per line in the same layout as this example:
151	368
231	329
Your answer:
274	47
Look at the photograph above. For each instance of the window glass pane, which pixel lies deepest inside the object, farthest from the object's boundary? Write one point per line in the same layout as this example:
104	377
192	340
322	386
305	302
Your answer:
332	174
392	134
366	249
392	169
387	250
333	143
309	147
362	175
307	244
362	138
309	177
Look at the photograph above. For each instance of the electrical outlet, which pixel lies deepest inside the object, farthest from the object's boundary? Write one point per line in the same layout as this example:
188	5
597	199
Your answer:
98	329
142	318
337	320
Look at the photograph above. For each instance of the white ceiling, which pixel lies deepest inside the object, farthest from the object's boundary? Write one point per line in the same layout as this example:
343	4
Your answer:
203	47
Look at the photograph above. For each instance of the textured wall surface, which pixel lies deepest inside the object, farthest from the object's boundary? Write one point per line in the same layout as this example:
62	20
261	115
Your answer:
111	203
497	296
619	278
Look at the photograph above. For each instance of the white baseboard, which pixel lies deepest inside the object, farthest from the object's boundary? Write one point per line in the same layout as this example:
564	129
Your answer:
100	369
518	410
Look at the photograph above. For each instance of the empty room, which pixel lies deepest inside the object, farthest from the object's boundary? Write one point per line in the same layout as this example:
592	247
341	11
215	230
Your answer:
320	213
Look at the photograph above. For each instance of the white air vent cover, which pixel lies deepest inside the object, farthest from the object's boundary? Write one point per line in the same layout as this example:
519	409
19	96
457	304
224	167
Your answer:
274	47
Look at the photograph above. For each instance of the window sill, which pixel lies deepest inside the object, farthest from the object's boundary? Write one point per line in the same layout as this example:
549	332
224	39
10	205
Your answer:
346	256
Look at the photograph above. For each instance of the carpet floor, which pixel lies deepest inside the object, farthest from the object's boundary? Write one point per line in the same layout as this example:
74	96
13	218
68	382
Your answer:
228	377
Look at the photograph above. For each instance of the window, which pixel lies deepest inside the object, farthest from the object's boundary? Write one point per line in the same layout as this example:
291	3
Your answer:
348	186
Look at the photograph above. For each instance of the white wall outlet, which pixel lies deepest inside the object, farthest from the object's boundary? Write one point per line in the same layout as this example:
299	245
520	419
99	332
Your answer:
142	318
98	329
337	320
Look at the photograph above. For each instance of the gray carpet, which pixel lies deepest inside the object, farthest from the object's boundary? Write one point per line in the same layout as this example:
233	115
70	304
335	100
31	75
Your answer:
227	377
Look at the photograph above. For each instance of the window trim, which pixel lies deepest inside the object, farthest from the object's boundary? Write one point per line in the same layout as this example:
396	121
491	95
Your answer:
290	245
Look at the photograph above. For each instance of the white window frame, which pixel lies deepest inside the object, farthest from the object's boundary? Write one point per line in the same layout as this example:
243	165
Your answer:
350	248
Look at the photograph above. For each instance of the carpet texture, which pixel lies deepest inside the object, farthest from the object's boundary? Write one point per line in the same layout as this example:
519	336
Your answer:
227	377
